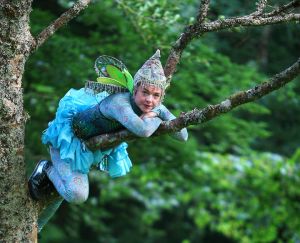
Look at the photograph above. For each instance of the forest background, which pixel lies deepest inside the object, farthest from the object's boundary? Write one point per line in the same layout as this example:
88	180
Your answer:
236	179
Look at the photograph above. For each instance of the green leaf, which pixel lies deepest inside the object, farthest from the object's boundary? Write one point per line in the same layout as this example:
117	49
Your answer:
129	80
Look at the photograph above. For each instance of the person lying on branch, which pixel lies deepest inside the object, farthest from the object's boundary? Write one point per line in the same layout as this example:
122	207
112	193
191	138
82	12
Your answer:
116	101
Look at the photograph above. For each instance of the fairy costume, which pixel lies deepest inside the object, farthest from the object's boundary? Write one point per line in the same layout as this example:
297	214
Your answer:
83	114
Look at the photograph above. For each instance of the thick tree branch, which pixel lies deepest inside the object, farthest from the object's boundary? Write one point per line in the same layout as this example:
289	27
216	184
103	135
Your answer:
62	20
198	116
198	29
241	21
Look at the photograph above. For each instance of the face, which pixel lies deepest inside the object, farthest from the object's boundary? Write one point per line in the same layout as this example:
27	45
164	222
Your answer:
147	97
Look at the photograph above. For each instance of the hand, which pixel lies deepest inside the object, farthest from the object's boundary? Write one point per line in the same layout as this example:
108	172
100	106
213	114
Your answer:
150	114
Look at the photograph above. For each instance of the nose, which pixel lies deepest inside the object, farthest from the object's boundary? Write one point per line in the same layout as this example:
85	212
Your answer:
148	98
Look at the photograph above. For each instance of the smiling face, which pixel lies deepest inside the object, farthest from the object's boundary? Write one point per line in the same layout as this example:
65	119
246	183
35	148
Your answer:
147	97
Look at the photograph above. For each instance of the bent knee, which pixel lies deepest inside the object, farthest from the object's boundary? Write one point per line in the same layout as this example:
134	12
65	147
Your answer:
75	195
79	198
77	190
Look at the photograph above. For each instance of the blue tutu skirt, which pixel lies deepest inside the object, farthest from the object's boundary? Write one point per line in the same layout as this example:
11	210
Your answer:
59	135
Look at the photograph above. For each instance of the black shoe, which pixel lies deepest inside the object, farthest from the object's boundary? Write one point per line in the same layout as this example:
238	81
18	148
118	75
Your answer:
39	184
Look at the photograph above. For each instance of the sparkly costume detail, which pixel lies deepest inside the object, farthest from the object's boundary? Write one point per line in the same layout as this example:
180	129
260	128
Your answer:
151	73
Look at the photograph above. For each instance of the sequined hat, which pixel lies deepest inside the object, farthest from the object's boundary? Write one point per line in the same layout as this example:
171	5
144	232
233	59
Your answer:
151	73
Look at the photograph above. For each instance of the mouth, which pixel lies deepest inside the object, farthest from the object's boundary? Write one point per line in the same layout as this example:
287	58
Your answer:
148	107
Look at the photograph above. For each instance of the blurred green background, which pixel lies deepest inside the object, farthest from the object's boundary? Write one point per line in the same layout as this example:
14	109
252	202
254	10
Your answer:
236	179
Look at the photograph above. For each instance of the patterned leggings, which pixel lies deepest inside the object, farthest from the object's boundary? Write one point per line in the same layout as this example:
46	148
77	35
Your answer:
72	186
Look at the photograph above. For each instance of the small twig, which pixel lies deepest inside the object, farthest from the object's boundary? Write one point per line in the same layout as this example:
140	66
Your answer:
62	20
203	10
261	5
282	9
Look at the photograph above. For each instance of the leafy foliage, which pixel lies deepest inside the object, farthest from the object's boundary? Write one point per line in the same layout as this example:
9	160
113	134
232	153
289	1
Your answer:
247	199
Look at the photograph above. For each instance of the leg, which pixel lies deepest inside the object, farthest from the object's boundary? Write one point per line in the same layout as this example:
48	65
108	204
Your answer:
40	187
72	186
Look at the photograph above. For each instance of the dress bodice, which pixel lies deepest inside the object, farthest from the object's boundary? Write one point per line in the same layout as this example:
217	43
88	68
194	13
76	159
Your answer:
93	121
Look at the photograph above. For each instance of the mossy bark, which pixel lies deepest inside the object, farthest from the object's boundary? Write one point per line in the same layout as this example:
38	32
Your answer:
18	214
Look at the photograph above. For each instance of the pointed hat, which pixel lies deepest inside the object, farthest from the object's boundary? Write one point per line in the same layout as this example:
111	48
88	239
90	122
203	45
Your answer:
151	73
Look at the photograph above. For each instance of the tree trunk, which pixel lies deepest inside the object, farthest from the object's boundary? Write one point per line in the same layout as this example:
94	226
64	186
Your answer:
18	213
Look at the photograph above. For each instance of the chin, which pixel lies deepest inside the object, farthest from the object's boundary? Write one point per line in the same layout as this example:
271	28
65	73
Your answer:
146	110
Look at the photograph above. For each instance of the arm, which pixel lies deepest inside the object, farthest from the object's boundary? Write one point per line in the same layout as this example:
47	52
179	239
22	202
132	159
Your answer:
118	107
166	115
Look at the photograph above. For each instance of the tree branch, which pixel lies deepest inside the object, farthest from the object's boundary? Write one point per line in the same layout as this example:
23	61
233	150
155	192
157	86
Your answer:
281	9
242	21
183	41
203	11
261	4
62	20
197	116
198	29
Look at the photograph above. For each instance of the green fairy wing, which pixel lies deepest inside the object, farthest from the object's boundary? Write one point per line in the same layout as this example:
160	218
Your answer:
104	80
102	61
114	72
117	74
129	80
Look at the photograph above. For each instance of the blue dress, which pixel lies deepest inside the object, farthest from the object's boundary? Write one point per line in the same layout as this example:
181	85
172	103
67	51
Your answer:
82	115
60	135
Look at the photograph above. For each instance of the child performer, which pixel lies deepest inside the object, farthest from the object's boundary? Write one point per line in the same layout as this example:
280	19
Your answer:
82	115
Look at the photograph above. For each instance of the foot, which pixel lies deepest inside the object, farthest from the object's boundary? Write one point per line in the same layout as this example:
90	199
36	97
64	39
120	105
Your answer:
39	184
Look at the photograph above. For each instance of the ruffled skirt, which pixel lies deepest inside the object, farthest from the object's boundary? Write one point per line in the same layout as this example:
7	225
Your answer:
60	135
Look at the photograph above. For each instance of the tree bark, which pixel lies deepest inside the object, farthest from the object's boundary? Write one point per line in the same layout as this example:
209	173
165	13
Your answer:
18	218
18	215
